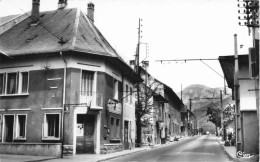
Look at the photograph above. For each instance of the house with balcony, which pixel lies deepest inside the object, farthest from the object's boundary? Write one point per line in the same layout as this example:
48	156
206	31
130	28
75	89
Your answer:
63	88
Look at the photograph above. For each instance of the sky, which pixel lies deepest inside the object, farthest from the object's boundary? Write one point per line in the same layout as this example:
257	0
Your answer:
171	29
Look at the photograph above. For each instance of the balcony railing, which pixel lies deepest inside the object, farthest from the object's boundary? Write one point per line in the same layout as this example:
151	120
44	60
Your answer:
89	98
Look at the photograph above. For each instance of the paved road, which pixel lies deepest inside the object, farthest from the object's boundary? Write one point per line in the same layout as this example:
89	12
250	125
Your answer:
196	149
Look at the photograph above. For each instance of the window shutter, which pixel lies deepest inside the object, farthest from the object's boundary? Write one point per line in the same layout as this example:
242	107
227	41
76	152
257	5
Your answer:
253	60
45	128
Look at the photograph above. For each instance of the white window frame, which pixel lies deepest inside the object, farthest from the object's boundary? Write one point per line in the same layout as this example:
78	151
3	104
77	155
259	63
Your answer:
45	127
94	85
18	83
114	128
3	132
115	89
17	127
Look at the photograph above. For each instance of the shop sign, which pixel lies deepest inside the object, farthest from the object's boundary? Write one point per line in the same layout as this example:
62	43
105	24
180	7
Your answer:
114	107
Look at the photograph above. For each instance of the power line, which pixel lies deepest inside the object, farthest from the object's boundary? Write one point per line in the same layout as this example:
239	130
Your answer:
187	60
42	25
212	69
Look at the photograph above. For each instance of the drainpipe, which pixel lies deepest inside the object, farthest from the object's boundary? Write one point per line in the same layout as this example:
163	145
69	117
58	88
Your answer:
63	102
122	112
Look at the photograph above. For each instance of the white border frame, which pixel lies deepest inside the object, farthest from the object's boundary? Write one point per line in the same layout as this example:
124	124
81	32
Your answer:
16	127
43	126
18	82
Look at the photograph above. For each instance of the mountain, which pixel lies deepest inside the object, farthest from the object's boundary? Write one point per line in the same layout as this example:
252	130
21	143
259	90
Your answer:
197	92
200	97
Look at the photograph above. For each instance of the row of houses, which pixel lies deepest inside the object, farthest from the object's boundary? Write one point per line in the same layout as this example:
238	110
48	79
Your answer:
65	90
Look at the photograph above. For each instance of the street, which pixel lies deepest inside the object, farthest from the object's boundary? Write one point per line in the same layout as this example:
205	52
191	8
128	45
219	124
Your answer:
198	148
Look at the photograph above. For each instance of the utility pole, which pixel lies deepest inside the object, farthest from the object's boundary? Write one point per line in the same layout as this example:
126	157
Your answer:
221	117
138	120
237	100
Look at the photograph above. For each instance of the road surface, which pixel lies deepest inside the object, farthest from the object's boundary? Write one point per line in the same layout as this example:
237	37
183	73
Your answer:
203	148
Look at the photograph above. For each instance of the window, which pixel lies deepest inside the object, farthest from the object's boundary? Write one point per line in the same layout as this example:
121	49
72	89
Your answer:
51	126
87	79
2	84
8	128
117	128
131	95
114	128
115	87
21	126
126	93
14	83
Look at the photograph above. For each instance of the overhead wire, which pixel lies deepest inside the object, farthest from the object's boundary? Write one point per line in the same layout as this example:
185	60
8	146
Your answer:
41	24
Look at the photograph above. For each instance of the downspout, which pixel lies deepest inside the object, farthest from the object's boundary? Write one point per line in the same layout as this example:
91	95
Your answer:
122	112
63	102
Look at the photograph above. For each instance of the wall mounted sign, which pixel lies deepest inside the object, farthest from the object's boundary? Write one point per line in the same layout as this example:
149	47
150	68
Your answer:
114	107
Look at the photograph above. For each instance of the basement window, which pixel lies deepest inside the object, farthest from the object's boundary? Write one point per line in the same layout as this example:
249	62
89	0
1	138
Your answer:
51	128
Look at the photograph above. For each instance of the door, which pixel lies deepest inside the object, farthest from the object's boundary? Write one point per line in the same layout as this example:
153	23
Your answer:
126	142
85	133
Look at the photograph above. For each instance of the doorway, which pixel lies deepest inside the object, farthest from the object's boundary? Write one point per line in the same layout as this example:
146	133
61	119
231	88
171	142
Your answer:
85	133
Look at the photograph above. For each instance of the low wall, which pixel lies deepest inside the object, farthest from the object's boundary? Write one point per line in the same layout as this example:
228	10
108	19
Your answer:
37	149
110	148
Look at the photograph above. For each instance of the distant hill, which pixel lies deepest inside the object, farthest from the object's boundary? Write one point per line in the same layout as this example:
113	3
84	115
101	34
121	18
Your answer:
197	91
201	96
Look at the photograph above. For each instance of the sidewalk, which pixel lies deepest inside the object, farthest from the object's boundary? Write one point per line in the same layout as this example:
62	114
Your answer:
79	157
231	153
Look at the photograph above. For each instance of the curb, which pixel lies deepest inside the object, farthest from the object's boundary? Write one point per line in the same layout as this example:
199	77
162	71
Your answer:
109	158
148	148
46	159
225	151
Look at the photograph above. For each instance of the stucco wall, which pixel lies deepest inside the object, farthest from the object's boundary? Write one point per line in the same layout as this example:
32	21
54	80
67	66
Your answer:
250	131
31	149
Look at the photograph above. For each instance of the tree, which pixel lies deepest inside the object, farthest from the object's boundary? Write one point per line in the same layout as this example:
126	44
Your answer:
145	107
214	116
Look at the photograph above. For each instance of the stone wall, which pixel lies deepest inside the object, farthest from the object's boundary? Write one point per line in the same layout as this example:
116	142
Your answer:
110	148
67	150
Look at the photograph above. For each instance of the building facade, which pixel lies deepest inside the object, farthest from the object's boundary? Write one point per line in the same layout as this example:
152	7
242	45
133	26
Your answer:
247	126
63	87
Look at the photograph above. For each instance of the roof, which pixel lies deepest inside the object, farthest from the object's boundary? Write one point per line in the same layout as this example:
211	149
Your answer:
58	30
227	64
160	98
167	89
172	95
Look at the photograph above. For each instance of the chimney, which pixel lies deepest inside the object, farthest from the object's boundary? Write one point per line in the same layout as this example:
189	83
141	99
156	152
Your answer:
35	14
90	13
62	4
